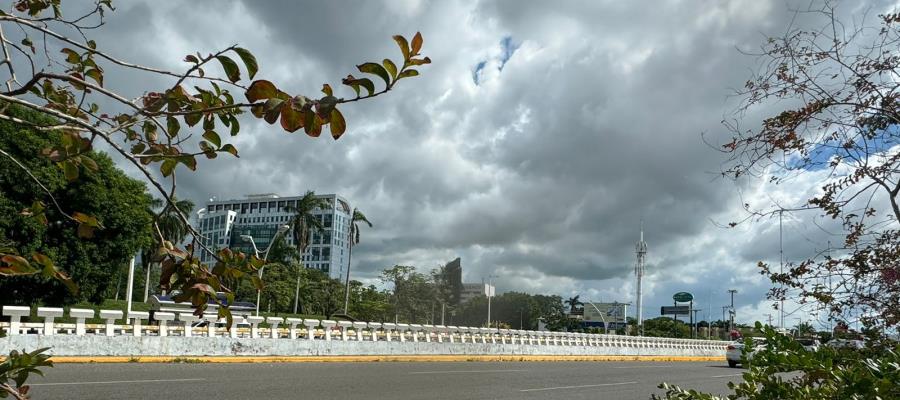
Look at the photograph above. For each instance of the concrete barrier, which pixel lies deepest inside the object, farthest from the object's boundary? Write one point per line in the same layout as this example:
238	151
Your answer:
397	339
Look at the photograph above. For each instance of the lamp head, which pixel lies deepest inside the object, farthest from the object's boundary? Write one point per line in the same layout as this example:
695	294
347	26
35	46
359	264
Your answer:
247	238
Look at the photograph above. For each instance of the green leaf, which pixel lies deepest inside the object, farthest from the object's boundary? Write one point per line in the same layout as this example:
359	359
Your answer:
416	43
375	69
15	265
368	84
188	161
338	125
168	167
230	67
172	126
213	138
249	61
70	170
404	46
192	118
408	73
235	126
96	75
88	220
390	67
291	119
261	90
230	149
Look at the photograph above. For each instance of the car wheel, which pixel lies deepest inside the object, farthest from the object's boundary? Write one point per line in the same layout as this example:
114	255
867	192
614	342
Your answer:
732	364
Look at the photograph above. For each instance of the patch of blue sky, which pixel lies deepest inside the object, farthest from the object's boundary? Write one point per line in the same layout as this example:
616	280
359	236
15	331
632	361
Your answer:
820	155
507	48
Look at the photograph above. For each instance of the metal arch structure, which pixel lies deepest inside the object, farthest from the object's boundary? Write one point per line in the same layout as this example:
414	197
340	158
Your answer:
640	249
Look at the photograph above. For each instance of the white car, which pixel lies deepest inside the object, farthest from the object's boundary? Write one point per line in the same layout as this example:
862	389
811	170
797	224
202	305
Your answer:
735	350
810	344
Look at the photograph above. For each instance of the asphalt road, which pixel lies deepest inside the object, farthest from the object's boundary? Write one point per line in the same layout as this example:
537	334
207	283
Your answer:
373	381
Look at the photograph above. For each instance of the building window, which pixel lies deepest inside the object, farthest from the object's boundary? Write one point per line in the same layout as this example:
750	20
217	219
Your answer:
327	223
326	254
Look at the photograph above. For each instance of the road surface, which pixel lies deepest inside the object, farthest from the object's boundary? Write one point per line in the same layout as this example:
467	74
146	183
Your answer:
374	380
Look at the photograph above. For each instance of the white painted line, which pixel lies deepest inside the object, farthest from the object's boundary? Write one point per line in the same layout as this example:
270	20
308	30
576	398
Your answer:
725	376
646	366
467	371
116	382
578	387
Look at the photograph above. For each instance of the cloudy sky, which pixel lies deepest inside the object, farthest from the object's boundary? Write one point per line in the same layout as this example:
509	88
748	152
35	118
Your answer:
532	147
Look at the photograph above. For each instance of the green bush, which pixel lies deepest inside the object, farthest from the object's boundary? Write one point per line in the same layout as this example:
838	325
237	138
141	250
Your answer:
785	370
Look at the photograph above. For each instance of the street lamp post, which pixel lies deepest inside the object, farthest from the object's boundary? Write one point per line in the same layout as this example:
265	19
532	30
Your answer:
731	322
249	238
490	293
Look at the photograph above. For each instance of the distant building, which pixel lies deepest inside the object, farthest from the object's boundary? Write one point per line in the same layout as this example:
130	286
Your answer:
473	290
223	222
598	315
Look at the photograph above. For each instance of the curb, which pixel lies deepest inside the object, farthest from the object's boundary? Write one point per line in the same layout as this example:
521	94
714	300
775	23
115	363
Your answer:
376	358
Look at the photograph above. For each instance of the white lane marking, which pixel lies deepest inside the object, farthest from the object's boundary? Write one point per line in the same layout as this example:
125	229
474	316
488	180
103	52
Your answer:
467	371
577	387
725	376
646	366
115	382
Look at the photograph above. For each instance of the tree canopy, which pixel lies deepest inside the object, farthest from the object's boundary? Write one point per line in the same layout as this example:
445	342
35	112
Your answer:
119	203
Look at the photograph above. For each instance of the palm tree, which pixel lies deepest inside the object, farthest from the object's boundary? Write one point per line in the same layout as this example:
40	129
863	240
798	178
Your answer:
357	217
302	223
167	224
573	303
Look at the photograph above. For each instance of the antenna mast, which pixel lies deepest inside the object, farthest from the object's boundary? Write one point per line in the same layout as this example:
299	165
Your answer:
641	250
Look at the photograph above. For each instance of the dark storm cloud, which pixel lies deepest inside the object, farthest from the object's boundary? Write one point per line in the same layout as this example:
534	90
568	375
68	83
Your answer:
542	169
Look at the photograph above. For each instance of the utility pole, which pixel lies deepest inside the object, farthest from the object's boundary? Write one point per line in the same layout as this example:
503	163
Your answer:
490	293
640	249
781	253
724	308
731	325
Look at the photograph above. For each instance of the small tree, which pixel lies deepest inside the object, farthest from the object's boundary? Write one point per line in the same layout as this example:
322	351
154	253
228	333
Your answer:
151	132
845	108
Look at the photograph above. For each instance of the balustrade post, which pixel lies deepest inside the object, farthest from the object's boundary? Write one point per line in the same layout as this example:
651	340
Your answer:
49	314
163	318
80	314
136	318
15	314
211	320
310	325
111	316
388	330
188	319
373	330
273	326
358	327
254	321
328	324
292	326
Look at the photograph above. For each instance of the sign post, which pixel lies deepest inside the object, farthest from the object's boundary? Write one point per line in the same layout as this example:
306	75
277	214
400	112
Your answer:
682	297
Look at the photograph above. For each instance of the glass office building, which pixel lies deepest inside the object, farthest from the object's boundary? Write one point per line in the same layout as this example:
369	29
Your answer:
223	222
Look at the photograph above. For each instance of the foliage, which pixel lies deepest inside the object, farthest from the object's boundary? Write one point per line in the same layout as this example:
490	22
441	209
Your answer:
845	107
14	371
117	202
785	370
666	327
356	219
169	225
574	303
152	132
413	295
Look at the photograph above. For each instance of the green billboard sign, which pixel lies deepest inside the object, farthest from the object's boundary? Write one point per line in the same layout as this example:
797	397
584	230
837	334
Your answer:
683	297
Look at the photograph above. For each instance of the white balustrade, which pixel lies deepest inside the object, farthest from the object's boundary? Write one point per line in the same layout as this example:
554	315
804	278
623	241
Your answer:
358	327
389	328
110	316
163	318
254	322
273	326
137	318
49	314
345	325
427	330
189	319
211	320
80	314
15	314
310	325
292	326
373	330
401	331
327	326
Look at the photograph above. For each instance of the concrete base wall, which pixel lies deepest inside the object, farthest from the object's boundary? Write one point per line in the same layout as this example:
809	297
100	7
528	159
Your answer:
95	345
